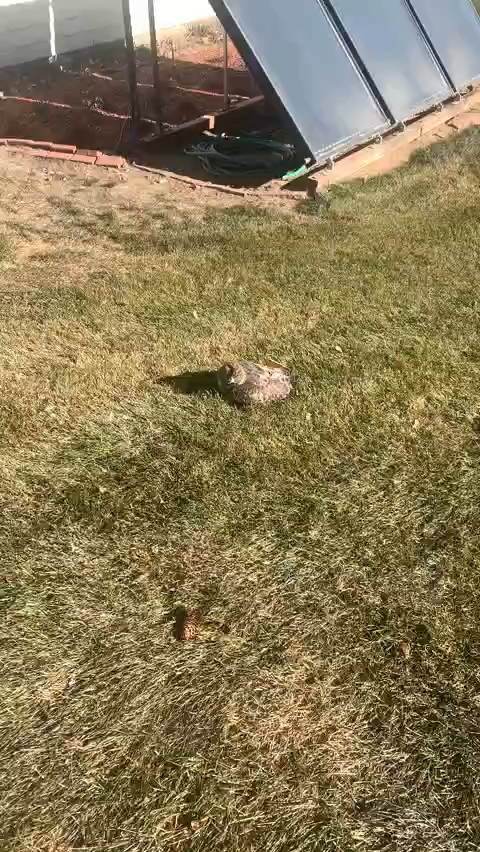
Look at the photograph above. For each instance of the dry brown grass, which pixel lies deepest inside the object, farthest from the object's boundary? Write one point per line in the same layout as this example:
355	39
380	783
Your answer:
318	540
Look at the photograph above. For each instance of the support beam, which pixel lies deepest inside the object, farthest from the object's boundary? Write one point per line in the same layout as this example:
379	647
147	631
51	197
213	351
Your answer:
154	52
226	92
219	122
132	65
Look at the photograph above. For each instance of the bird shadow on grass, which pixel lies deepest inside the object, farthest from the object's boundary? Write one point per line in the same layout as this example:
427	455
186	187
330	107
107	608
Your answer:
193	383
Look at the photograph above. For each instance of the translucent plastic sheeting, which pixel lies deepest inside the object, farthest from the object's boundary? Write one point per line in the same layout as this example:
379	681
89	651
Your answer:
394	51
453	26
306	63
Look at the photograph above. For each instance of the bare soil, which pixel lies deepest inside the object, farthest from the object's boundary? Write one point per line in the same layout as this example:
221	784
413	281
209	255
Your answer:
101	189
84	99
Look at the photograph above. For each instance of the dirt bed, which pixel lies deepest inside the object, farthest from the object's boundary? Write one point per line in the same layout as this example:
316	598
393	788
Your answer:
84	99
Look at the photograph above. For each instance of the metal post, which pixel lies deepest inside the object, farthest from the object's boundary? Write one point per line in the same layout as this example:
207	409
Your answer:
226	93
51	18
132	64
154	51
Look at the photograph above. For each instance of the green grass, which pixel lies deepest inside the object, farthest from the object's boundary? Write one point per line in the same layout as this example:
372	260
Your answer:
315	537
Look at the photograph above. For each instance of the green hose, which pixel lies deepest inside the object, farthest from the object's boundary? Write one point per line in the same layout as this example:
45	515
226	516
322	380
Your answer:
243	156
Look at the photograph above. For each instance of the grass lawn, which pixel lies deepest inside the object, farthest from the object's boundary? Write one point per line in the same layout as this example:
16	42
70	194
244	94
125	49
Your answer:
331	702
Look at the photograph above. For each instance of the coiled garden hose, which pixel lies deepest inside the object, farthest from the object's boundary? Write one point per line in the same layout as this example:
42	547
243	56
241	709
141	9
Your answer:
243	156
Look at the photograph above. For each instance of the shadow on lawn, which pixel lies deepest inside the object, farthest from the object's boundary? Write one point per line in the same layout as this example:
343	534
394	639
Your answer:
193	383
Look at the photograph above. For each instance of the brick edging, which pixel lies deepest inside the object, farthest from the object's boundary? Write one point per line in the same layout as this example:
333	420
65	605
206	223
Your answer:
69	153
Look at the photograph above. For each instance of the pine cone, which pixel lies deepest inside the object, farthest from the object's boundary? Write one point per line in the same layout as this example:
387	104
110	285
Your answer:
192	626
186	625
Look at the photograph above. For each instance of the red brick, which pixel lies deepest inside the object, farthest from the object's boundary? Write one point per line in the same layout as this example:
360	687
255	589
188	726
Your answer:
89	152
111	162
52	155
64	149
30	143
83	158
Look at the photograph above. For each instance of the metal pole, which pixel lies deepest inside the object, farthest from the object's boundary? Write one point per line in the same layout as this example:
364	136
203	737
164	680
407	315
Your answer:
226	94
131	63
51	18
154	51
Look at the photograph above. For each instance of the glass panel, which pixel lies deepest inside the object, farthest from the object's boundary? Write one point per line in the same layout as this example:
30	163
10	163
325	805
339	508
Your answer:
454	30
310	69
397	56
